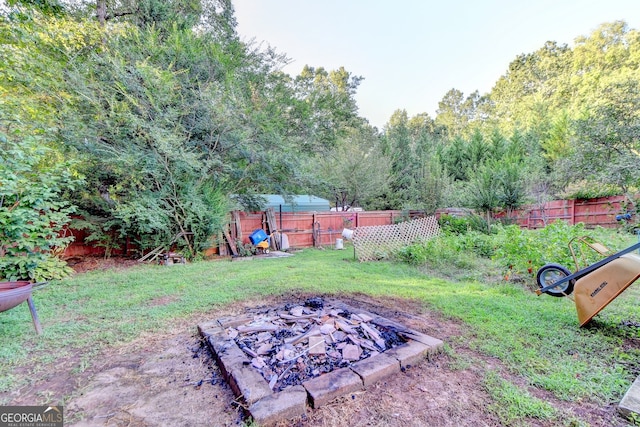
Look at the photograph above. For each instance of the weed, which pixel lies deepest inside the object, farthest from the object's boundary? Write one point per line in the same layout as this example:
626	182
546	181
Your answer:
457	362
512	404
634	419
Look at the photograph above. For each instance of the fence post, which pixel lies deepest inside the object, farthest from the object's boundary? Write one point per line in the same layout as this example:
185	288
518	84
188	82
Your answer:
313	231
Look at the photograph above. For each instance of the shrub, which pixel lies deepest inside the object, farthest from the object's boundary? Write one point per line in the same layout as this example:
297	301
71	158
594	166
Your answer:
480	244
453	225
32	213
461	225
525	251
514	250
443	251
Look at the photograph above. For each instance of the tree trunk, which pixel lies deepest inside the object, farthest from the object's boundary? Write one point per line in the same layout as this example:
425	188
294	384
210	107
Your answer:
488	222
101	11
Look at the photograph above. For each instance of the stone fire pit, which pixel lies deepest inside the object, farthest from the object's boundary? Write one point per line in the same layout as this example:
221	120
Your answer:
279	360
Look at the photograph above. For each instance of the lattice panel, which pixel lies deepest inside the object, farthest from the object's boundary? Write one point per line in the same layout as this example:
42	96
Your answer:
378	242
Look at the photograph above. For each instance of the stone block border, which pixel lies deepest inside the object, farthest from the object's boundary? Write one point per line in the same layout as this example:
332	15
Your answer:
267	407
630	404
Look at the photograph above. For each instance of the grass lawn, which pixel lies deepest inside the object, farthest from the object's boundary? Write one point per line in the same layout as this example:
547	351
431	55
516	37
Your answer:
536	338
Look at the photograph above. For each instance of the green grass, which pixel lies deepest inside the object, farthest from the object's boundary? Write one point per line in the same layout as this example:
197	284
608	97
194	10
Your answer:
513	405
536	338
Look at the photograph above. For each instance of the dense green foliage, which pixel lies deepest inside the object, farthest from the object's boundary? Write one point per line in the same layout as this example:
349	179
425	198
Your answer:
167	114
171	118
515	253
572	113
33	213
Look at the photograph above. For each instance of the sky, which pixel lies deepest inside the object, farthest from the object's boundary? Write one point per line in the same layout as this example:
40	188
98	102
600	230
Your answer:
412	52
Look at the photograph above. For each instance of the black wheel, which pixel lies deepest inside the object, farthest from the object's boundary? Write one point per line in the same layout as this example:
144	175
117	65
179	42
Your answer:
551	273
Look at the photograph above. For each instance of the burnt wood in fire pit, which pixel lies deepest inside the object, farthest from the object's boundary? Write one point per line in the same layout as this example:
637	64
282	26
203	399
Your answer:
325	346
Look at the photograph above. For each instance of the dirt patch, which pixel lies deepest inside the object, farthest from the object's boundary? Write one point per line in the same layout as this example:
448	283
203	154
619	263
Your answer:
84	264
174	383
160	301
169	379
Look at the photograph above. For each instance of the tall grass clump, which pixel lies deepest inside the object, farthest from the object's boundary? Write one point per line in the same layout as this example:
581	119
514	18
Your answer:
460	252
523	252
515	252
440	251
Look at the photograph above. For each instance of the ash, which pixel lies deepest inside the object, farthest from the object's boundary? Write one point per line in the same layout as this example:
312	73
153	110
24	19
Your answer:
296	342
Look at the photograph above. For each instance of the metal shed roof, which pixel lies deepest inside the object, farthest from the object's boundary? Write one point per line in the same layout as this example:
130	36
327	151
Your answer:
298	203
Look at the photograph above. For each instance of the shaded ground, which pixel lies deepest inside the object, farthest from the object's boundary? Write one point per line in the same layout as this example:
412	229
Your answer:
169	379
84	264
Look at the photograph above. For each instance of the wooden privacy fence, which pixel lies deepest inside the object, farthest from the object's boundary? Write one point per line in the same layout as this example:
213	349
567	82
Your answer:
309	229
592	212
303	229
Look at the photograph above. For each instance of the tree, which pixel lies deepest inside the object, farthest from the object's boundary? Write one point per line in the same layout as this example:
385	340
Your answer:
417	178
478	150
47	7
606	145
610	47
166	111
511	184
433	184
556	145
33	65
458	115
450	114
423	128
534	83
402	175
326	108
483	192
165	146
354	173
432	181
161	14
454	156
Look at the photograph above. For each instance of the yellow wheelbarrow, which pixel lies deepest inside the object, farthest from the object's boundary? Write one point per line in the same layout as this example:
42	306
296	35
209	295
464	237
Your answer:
596	285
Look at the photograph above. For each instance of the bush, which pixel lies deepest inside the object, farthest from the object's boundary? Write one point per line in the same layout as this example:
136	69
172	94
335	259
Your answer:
32	215
480	244
440	251
461	225
514	250
453	225
525	251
